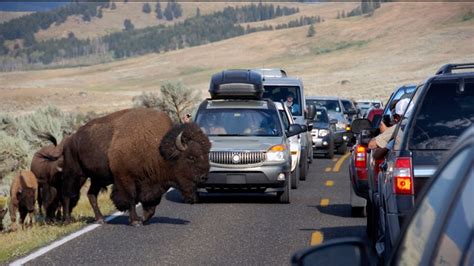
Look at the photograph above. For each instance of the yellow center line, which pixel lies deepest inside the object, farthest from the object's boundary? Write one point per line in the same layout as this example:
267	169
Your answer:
324	202
338	164
329	183
317	238
328	169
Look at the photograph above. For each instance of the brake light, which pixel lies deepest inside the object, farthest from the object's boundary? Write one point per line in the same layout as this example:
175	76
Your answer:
403	177
360	157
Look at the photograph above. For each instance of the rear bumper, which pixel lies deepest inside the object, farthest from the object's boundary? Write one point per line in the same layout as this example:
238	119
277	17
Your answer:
340	138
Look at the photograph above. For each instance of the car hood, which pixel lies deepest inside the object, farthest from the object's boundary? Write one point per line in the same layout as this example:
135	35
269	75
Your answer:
320	125
244	143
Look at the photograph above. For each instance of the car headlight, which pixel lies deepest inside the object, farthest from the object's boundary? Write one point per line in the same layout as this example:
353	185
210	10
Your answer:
276	153
323	132
340	126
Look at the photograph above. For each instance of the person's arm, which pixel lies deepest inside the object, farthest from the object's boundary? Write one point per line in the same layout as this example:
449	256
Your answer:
372	144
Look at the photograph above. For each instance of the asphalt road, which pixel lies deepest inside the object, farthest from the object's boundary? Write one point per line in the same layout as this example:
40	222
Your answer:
224	230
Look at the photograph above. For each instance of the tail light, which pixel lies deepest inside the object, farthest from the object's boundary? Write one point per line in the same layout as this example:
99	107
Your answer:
403	177
360	157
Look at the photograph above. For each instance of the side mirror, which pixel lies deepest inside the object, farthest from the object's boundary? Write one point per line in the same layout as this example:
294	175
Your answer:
294	129
311	112
333	121
360	124
304	128
343	251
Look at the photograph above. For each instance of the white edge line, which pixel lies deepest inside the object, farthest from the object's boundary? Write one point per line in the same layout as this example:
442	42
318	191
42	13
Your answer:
62	241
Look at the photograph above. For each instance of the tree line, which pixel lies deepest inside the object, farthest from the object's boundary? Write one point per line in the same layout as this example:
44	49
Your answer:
193	31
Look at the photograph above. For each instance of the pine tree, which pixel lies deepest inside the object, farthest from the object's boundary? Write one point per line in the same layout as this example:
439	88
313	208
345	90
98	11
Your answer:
343	14
146	8
128	25
311	31
338	15
99	13
198	12
113	6
168	13
159	13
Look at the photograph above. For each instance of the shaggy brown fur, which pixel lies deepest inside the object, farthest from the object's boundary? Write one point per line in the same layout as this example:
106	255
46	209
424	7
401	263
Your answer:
47	166
123	148
23	197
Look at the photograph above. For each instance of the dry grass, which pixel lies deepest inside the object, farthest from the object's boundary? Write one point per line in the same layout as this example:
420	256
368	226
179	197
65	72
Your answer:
21	242
401	43
6	16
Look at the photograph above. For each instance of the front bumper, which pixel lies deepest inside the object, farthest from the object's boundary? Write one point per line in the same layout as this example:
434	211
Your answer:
340	137
259	177
321	145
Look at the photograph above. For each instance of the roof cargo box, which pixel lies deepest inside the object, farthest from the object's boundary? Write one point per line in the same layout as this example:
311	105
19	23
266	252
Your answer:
236	84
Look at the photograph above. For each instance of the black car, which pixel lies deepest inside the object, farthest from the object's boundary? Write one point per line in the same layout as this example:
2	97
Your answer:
323	133
441	109
440	231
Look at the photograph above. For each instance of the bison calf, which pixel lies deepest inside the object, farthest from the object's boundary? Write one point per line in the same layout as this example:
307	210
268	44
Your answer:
23	197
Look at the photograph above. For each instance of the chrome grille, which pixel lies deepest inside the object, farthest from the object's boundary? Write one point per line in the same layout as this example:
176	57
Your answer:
228	157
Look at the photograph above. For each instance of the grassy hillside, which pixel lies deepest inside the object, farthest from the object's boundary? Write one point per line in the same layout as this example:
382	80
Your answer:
401	43
112	20
6	16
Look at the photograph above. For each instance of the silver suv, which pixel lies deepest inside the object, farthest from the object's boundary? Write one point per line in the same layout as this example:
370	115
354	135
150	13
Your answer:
250	148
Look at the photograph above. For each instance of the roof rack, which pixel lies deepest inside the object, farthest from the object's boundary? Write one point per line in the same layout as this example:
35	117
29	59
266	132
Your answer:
447	69
236	84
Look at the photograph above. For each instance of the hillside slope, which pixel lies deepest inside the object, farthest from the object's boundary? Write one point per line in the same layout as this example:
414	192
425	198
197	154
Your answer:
401	43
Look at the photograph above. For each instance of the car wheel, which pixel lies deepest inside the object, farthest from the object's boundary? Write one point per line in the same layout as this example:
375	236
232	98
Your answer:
295	177
330	153
342	149
284	196
304	168
371	223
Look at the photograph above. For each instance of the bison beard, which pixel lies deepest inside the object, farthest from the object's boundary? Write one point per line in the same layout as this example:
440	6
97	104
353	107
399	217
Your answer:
141	154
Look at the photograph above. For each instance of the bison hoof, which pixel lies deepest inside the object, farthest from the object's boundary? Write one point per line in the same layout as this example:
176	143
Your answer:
136	223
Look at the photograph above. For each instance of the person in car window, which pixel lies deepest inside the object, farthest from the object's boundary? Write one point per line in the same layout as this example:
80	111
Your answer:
294	107
210	126
386	132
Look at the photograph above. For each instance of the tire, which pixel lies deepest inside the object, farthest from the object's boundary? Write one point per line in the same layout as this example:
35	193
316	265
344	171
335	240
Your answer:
304	168
342	149
330	153
358	212
284	196
295	178
371	223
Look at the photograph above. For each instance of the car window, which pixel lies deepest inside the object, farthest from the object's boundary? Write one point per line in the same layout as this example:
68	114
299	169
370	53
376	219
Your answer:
239	122
321	116
281	93
428	214
444	114
347	105
456	236
331	105
284	118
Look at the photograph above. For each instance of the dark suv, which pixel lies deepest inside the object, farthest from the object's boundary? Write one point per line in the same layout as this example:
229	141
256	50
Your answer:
440	111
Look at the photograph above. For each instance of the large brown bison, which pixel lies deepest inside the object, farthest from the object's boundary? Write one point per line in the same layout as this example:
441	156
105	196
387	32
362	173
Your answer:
23	197
141	153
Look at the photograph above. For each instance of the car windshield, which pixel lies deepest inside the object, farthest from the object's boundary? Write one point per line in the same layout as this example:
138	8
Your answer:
331	105
447	110
321	116
239	122
290	95
347	105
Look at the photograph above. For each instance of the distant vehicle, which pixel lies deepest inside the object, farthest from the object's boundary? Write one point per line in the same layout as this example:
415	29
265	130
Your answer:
295	145
279	89
335	110
323	133
271	72
441	109
250	147
439	231
365	105
349	109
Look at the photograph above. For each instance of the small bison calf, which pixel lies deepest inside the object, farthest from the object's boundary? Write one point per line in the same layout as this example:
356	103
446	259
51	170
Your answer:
23	193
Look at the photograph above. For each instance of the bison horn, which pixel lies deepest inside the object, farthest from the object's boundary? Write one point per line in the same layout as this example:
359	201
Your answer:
179	143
